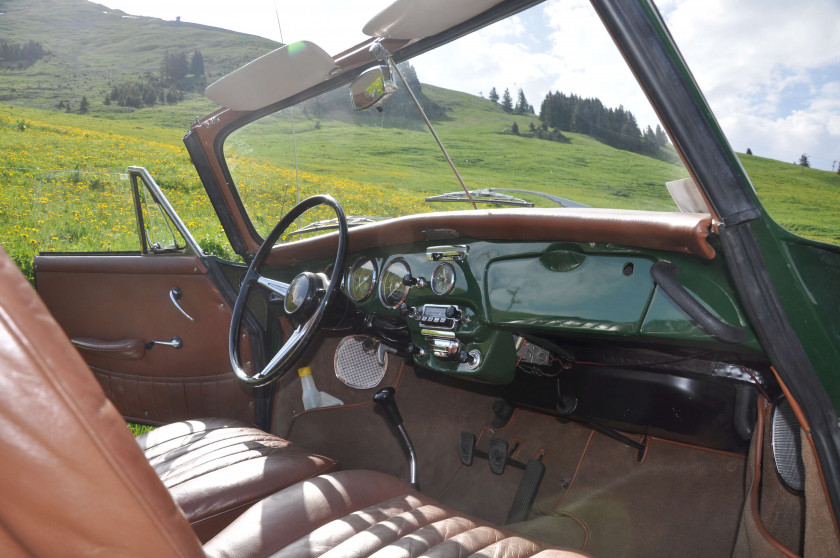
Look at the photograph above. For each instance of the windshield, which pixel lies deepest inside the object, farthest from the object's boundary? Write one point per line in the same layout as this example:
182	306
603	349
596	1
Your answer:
545	115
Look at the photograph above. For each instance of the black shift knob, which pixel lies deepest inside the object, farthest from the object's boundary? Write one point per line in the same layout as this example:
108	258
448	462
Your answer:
385	398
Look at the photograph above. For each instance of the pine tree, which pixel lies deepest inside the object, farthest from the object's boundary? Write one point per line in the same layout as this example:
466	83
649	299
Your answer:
84	106
493	95
522	105
804	160
507	102
174	65
515	129
661	136
197	64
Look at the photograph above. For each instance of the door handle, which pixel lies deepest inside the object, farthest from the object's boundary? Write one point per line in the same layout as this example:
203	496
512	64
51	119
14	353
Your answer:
176	343
174	295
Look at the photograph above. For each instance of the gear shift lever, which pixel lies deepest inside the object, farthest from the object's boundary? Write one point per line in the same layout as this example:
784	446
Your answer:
385	398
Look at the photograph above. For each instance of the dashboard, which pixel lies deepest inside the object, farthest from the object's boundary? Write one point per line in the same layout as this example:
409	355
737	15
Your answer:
478	308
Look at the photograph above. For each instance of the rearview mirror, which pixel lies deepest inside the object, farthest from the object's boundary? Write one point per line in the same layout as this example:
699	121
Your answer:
371	88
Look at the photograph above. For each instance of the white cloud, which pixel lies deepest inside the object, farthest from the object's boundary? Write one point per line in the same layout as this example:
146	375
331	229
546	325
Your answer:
770	69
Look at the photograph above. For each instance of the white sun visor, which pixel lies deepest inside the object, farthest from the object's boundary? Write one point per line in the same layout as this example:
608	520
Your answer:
409	19
272	77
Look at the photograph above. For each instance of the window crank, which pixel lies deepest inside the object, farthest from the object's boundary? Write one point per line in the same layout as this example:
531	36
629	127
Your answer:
176	343
174	296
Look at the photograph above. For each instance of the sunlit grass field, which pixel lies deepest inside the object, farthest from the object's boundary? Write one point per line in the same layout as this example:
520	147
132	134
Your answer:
64	187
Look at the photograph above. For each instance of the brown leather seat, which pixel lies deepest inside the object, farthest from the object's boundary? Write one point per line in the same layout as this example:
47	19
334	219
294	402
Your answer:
361	513
215	468
73	481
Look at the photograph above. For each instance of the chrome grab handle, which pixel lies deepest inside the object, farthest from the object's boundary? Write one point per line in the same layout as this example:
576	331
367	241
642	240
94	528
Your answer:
176	343
174	295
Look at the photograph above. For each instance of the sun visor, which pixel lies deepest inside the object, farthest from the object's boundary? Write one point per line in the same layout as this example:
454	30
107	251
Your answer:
409	19
273	77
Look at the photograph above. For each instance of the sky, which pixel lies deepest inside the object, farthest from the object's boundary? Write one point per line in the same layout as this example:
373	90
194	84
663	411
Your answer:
770	69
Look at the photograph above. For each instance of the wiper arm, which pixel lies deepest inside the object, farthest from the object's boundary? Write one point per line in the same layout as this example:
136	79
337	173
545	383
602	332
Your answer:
562	202
493	195
332	224
486	195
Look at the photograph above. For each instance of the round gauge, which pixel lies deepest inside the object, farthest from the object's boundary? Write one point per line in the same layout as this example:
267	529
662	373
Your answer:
361	279
443	279
392	290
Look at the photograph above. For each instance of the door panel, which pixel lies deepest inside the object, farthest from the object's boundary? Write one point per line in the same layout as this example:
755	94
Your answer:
118	298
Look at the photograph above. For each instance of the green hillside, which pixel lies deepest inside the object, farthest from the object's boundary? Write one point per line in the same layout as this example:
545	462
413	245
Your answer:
805	201
54	164
91	48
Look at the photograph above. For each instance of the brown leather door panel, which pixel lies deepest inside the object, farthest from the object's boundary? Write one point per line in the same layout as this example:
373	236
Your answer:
112	301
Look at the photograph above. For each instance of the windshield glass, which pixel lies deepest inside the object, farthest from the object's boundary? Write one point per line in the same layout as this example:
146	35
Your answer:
540	101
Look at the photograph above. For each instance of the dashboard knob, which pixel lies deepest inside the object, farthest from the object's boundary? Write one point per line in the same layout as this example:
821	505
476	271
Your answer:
406	310
416	350
409	281
453	312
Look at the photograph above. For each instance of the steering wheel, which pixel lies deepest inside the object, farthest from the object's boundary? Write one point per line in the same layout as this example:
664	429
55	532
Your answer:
305	298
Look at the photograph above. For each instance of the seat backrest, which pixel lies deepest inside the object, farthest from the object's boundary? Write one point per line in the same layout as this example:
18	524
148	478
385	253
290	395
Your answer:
73	482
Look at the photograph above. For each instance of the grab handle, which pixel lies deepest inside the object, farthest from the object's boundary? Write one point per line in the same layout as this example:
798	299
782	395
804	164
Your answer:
665	275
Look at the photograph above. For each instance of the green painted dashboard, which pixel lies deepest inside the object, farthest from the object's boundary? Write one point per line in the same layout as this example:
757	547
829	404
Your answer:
503	289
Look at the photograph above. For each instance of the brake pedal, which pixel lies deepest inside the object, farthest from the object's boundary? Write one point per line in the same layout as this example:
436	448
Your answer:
466	448
527	492
498	455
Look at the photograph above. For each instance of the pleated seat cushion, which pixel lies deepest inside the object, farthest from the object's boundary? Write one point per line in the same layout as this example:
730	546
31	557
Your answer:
216	468
365	513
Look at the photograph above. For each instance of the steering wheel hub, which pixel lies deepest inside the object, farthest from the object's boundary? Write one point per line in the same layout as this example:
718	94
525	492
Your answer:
303	295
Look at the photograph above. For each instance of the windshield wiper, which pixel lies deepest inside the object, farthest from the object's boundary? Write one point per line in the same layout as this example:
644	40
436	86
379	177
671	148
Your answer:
493	195
332	224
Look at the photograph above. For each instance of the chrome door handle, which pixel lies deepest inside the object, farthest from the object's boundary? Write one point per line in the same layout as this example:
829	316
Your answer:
176	343
174	295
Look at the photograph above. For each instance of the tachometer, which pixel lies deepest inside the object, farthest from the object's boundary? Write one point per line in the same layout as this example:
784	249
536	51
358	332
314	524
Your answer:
361	279
392	290
443	279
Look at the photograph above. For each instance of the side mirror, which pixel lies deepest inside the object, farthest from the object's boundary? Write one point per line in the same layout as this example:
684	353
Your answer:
371	88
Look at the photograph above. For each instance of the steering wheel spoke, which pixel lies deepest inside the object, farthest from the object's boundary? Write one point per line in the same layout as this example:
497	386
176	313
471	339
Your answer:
305	299
277	287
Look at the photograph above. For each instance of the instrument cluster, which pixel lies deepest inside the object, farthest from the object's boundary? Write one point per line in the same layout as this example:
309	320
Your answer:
394	281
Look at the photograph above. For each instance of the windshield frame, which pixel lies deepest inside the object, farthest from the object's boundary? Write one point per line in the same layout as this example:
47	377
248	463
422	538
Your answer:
756	251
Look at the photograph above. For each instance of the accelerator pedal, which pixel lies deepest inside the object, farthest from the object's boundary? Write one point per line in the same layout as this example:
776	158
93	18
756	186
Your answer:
527	491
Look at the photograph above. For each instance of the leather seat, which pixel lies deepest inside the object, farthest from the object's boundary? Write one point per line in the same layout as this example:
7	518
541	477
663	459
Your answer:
215	468
365	513
73	481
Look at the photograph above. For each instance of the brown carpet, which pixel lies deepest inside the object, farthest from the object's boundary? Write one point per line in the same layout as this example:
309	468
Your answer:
680	501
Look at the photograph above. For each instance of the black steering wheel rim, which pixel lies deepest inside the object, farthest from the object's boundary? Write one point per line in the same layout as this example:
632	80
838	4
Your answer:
304	333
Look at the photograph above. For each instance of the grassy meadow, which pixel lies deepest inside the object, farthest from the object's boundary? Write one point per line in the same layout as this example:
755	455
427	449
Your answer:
64	187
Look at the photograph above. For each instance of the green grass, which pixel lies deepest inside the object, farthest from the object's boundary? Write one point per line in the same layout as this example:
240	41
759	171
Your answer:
137	429
62	175
803	200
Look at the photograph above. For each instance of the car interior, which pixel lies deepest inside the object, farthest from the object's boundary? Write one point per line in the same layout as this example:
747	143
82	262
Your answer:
519	382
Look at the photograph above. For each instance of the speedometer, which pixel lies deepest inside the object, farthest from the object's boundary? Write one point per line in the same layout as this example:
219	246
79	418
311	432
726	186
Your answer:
361	279
392	289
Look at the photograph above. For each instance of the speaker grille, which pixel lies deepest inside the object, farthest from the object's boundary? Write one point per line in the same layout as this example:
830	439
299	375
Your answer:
356	362
786	440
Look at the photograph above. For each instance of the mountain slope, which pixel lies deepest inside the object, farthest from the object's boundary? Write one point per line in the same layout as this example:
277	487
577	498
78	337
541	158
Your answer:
92	47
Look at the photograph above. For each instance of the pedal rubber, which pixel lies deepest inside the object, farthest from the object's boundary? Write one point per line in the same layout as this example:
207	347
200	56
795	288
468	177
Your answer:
498	455
527	492
466	448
